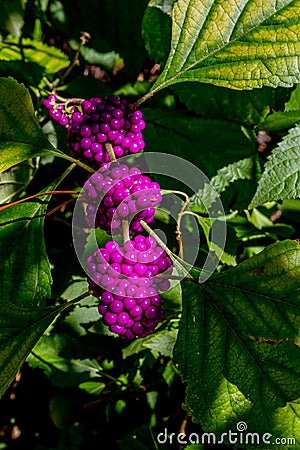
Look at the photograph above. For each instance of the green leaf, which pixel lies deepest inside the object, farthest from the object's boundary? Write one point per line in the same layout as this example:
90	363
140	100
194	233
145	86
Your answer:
156	29
61	371
20	329
250	107
240	170
280	120
13	182
240	45
25	276
92	387
294	103
50	58
280	179
25	72
21	137
224	349
162	342
209	144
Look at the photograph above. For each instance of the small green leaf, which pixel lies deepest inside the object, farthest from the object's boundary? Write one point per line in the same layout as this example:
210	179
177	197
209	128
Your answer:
21	137
240	45
92	387
46	355
50	58
280	179
13	182
280	120
162	342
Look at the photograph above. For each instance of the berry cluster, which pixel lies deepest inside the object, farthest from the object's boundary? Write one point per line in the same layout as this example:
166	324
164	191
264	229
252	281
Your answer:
119	193
97	122
125	277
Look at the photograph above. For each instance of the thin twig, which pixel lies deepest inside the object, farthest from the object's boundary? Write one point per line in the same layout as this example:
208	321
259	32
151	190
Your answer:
32	197
111	153
83	40
167	250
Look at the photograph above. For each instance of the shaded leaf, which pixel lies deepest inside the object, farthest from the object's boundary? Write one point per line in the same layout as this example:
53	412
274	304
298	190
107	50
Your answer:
61	371
25	72
200	141
281	177
21	137
25	276
250	107
156	32
240	45
13	182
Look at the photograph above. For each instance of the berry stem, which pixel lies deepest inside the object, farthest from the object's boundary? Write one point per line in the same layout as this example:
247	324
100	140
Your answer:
73	160
125	228
32	197
110	152
167	250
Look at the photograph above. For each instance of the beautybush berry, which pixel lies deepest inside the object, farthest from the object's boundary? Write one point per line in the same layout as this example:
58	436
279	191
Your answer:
97	122
124	278
120	193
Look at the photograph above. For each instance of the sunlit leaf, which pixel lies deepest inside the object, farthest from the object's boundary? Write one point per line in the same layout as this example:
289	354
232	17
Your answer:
240	45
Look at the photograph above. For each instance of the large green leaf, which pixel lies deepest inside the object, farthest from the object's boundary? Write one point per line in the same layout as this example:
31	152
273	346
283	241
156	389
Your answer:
21	137
281	177
209	144
241	44
50	58
224	349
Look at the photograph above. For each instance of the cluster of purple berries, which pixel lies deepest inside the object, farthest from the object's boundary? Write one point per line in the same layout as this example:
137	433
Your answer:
97	122
119	193
125	278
